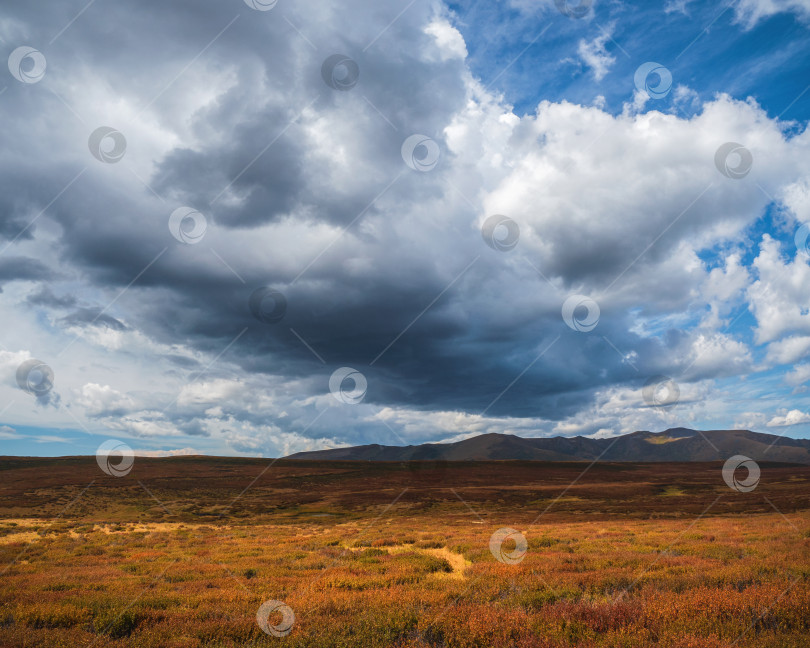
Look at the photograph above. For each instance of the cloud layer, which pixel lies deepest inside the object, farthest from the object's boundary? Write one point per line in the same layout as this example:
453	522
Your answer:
286	136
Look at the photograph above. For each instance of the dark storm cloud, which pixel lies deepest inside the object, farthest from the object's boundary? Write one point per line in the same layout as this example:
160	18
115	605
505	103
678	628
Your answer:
18	268
443	361
194	427
46	297
181	361
13	222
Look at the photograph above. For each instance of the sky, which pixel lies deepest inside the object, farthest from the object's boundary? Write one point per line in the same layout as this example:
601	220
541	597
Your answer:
248	227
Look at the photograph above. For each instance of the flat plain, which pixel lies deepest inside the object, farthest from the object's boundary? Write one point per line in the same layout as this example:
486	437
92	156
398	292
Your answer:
182	552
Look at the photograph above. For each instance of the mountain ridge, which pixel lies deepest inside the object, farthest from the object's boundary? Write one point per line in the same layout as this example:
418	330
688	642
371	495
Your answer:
673	444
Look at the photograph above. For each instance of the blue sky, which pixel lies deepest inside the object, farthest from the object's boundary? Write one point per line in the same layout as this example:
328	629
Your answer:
704	45
220	239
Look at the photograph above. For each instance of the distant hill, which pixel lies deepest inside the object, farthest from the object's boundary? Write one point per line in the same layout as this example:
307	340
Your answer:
675	444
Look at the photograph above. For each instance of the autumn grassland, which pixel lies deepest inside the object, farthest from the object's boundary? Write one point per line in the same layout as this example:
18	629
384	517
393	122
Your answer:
182	553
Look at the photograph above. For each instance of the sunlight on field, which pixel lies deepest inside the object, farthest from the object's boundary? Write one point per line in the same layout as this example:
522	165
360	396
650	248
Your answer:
377	558
409	583
660	440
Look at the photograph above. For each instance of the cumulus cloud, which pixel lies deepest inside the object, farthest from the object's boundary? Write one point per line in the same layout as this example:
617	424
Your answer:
103	400
723	289
789	350
449	40
793	417
799	375
778	298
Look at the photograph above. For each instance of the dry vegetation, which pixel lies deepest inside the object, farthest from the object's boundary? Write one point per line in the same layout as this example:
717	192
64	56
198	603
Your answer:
394	555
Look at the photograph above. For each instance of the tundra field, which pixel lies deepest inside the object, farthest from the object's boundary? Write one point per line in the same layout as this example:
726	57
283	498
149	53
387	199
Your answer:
183	552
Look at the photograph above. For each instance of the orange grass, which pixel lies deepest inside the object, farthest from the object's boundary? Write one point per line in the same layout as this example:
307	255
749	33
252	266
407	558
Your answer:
402	575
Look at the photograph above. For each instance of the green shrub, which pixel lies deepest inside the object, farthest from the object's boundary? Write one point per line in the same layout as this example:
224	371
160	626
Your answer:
117	624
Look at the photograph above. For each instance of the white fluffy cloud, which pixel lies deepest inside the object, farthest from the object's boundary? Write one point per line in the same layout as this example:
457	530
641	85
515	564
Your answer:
799	375
723	289
793	417
448	39
103	400
779	298
789	350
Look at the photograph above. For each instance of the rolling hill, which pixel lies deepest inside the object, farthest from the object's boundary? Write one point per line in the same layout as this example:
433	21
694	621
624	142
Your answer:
675	444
